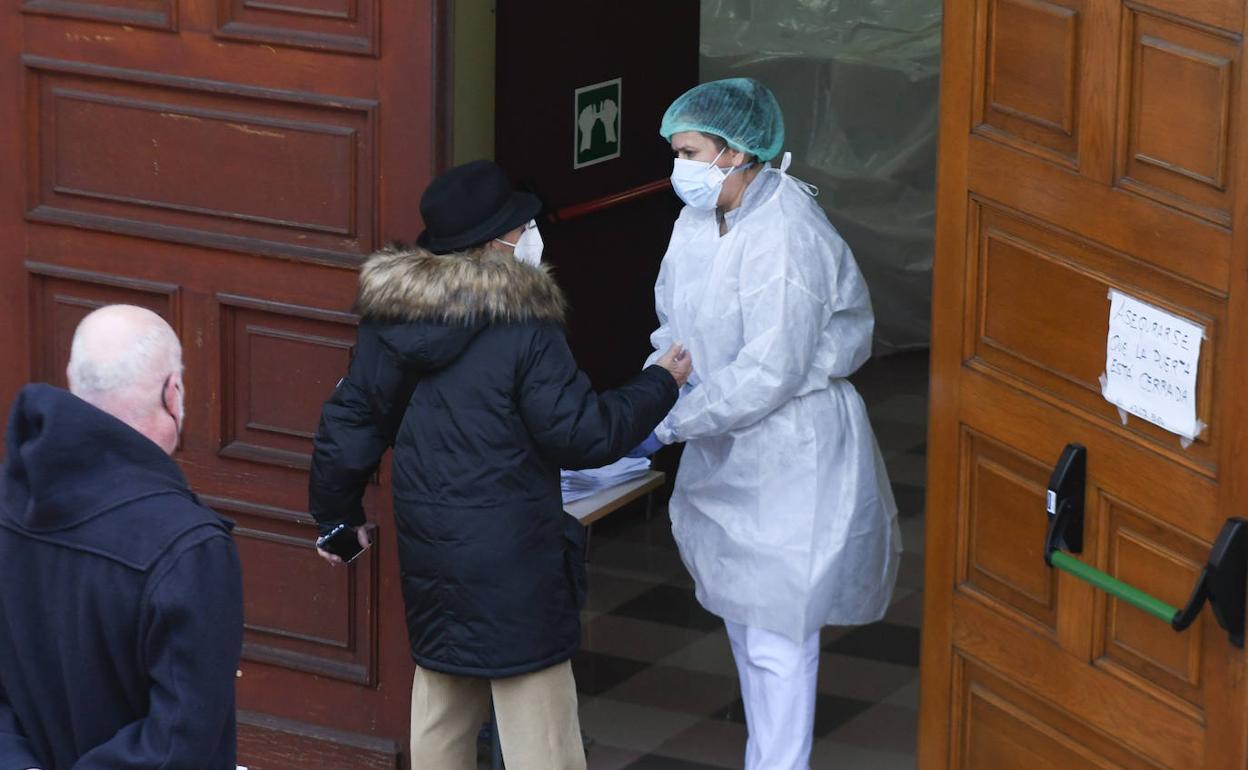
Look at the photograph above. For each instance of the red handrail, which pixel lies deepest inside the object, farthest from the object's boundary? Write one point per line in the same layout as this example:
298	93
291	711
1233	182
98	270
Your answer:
578	210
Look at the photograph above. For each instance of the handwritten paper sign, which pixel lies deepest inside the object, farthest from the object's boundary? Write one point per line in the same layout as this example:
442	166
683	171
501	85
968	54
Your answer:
1151	359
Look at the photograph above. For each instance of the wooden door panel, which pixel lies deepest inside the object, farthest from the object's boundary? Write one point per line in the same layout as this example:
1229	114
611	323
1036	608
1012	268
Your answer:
266	346
1178	94
158	14
1122	713
1085	207
61	297
1033	316
1224	14
1002	726
1028	96
1023	319
1164	561
345	26
272	742
1039	427
333	632
1003	553
143	153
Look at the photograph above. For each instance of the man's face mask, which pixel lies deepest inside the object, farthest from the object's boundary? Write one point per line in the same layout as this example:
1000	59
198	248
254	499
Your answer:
528	247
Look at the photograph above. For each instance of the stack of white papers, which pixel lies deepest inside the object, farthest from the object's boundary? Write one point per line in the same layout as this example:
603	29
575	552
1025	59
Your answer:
581	484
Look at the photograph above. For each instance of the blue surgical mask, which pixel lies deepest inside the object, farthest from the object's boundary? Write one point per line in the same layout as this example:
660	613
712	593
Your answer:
698	184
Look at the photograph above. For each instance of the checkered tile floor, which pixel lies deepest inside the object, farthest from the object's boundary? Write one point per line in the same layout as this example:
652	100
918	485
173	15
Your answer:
657	683
658	688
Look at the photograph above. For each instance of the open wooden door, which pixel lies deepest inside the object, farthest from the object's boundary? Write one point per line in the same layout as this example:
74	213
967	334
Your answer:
1086	146
229	163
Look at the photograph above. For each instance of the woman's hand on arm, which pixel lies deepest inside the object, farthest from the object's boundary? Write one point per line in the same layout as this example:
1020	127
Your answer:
678	363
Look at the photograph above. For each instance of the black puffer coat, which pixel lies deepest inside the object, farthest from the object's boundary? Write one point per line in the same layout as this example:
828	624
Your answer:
463	366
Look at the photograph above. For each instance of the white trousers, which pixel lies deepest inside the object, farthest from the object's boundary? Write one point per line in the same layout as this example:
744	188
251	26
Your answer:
778	682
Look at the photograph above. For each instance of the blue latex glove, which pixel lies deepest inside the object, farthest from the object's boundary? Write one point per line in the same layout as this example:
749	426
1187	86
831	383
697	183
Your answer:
647	447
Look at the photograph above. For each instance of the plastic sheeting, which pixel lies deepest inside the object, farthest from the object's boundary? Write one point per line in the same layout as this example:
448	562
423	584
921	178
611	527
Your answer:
858	82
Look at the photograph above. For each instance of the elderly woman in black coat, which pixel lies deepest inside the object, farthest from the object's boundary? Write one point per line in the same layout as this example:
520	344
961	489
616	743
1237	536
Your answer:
463	367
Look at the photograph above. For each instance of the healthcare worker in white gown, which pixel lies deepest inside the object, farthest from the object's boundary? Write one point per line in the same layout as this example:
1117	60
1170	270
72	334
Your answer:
782	508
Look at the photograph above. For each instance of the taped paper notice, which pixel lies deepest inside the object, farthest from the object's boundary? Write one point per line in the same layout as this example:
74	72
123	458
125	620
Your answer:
1151	359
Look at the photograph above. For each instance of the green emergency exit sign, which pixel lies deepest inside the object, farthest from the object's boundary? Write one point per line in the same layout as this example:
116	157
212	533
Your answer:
596	118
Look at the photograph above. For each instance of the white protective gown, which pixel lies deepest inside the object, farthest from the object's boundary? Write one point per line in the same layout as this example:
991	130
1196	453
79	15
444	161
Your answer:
782	508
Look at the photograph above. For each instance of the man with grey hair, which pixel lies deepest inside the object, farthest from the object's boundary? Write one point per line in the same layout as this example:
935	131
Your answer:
120	355
120	595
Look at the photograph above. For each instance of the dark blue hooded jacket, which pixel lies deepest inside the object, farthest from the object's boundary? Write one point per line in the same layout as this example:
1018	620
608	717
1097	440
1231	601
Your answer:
120	600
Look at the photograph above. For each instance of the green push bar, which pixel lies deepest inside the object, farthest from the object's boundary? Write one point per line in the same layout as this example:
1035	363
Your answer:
1114	587
1223	582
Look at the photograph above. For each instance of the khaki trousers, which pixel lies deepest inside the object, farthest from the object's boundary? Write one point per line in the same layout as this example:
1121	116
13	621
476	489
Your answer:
538	724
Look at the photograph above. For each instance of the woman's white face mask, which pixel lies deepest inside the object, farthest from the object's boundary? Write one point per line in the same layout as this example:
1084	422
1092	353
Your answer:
698	184
528	247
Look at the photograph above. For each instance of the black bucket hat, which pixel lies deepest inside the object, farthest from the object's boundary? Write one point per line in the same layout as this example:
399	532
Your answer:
472	204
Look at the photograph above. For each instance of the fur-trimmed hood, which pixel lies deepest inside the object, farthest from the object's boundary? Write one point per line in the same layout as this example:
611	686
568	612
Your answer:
479	287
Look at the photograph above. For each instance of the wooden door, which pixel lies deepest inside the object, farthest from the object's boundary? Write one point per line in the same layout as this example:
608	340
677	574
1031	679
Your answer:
229	163
1086	145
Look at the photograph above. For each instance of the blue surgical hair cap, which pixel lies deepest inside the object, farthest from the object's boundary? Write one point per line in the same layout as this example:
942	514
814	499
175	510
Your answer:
742	111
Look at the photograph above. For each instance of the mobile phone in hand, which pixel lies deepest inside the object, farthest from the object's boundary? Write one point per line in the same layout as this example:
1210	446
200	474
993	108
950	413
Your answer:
342	542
